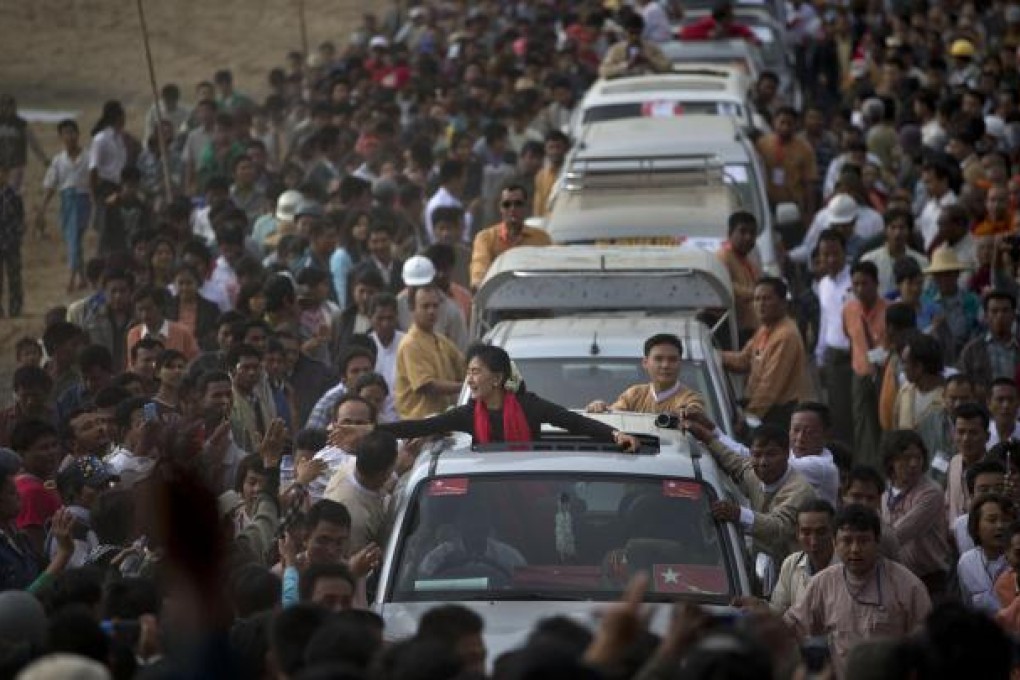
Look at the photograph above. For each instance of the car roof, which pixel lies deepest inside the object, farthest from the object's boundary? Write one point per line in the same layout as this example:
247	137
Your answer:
618	336
676	457
688	265
698	83
641	137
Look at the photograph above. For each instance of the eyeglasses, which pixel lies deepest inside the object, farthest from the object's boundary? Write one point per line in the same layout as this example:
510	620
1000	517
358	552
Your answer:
512	204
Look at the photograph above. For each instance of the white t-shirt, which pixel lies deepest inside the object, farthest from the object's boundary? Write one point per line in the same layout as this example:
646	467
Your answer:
108	155
67	173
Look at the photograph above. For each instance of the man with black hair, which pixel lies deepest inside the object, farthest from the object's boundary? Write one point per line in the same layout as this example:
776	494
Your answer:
128	459
864	325
736	254
452	181
149	302
970	438
354	319
32	386
38	445
864	485
996	353
460	630
143	356
328	585
492	242
815	533
96	367
289	633
381	257
363	492
922	394
353	363
61	340
773	488
251	413
774	358
556	146
107	322
983	477
197	254
633	55
664	393
865	596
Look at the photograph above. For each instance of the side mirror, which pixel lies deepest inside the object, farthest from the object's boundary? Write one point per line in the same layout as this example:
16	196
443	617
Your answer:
787	213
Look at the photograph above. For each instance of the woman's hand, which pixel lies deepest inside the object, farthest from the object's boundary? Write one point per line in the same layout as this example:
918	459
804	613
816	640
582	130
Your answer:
627	442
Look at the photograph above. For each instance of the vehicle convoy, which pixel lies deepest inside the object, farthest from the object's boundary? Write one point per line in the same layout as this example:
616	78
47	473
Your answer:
575	319
521	532
663	181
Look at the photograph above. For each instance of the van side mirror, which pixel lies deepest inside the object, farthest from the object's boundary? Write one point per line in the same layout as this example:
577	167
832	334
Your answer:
787	214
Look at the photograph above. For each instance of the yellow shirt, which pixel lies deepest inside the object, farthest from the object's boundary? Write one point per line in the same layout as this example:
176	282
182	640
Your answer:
639	399
776	363
545	180
744	273
492	242
423	358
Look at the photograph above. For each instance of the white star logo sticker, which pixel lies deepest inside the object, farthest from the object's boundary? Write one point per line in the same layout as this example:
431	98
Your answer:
670	576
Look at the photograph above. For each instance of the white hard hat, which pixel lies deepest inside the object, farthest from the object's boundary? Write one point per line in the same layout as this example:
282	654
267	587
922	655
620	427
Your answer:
286	205
842	209
418	271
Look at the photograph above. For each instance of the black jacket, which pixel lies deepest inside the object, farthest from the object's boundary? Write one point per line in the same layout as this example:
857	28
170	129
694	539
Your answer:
206	316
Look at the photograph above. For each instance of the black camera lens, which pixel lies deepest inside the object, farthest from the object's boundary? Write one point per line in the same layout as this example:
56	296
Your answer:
667	421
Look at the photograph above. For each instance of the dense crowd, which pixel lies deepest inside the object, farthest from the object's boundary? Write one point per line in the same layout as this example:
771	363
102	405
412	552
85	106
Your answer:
201	459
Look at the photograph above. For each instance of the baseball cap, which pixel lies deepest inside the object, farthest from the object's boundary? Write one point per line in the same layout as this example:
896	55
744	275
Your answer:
85	471
287	204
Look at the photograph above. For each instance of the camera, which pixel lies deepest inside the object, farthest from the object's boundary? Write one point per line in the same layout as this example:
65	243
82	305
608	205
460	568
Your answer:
667	421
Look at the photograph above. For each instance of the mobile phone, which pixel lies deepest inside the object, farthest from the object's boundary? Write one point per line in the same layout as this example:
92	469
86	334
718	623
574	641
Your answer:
150	412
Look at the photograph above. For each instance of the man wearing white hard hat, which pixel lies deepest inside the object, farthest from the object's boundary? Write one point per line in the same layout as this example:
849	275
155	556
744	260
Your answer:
270	227
419	271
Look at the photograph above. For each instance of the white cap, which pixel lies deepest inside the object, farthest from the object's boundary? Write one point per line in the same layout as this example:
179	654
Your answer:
379	41
842	209
418	271
286	205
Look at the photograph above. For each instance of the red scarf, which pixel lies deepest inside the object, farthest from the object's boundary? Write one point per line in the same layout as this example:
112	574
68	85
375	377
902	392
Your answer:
515	424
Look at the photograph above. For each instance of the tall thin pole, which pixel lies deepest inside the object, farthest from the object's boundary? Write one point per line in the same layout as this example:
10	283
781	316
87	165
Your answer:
164	160
304	28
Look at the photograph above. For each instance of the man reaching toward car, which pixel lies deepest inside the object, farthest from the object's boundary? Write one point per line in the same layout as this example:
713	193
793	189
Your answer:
664	393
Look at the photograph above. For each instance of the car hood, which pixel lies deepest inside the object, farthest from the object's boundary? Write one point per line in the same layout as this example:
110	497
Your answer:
508	624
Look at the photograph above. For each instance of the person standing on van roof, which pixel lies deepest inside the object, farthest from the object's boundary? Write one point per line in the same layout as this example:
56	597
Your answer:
633	56
774	359
664	393
511	232
735	254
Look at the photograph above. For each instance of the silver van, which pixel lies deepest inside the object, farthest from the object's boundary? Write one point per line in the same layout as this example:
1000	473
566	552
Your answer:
558	527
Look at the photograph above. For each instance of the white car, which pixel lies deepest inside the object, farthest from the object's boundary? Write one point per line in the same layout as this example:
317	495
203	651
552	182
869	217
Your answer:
521	532
693	89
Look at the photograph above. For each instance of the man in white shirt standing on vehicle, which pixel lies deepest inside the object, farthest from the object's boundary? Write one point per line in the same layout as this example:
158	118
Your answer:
657	28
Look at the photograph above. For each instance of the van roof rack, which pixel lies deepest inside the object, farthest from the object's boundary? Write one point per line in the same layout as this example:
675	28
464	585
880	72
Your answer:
554	441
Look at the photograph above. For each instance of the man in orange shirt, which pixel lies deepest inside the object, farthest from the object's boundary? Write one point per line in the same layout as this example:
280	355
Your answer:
774	359
492	242
864	325
790	164
999	218
148	303
735	254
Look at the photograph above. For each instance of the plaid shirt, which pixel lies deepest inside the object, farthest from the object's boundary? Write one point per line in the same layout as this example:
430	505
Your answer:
12	218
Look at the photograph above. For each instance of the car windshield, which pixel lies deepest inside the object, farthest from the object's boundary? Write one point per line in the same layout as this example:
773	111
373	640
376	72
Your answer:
667	108
555	536
575	383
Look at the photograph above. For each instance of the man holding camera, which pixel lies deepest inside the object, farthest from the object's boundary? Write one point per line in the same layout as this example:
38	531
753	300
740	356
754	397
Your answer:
664	393
633	56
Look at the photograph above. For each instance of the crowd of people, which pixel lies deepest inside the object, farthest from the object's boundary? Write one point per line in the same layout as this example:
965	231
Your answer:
200	459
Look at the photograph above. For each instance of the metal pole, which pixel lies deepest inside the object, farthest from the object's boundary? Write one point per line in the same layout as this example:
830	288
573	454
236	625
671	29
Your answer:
165	161
304	28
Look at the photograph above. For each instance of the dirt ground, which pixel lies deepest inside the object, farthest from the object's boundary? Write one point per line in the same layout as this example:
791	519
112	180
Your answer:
75	54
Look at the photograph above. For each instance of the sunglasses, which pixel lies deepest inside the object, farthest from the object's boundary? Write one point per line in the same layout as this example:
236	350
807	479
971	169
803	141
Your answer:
512	204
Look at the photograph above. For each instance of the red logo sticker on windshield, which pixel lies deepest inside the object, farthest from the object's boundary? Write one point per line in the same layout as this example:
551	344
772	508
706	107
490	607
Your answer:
688	578
448	486
676	488
662	109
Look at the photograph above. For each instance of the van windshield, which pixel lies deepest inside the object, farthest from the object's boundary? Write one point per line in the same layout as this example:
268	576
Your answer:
666	108
576	382
555	536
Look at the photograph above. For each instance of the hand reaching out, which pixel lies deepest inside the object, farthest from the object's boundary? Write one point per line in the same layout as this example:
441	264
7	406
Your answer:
308	469
365	560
